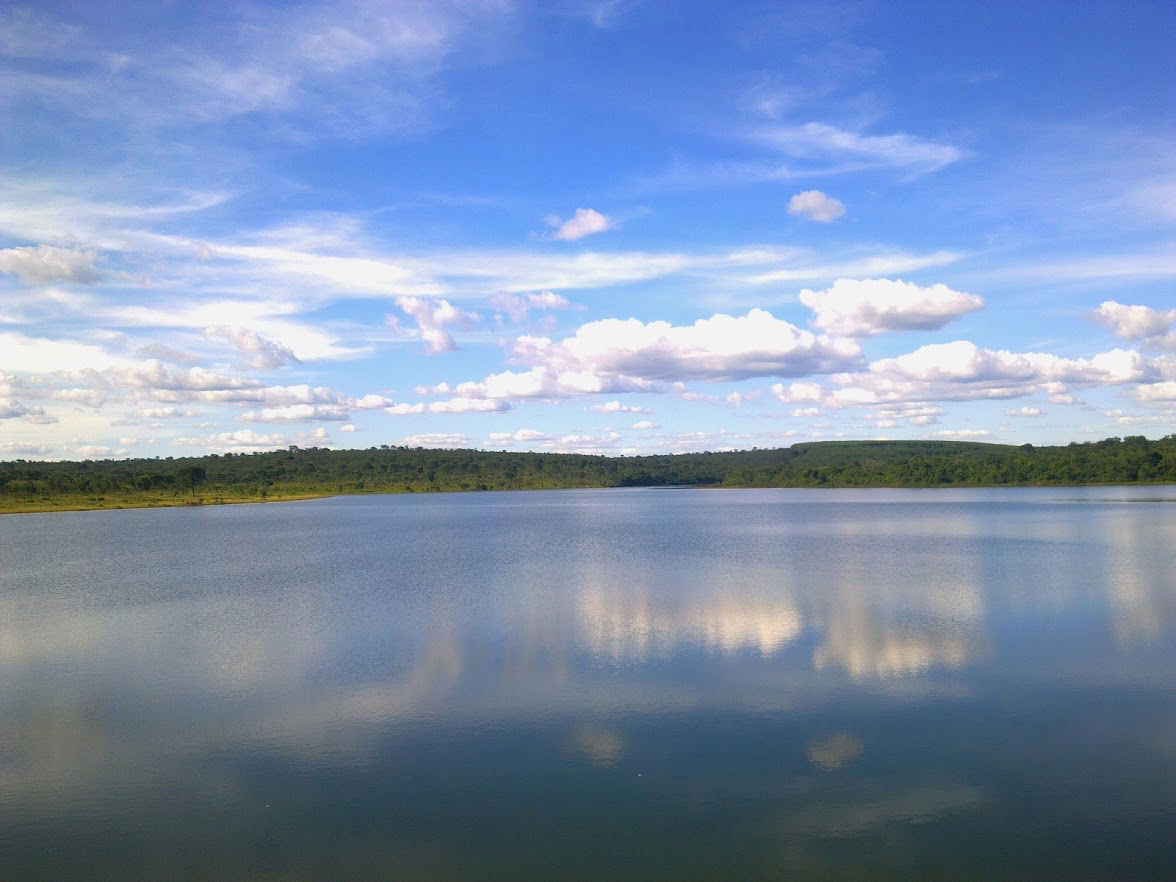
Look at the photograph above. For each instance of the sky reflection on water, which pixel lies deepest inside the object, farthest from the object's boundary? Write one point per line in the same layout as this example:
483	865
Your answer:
358	683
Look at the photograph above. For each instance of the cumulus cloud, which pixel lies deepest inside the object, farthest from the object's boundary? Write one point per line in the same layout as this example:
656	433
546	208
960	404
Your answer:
296	413
257	352
522	436
862	308
163	413
798	391
1153	326
816	206
404	408
632	356
722	347
1160	392
432	318
643	425
616	407
469	405
23	448
911	387
436	439
585	222
961	434
40	264
243	439
544	382
963	371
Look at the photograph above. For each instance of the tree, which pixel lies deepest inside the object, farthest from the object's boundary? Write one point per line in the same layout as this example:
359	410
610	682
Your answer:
192	477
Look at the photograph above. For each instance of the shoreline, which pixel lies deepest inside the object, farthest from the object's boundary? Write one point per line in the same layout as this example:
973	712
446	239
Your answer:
43	506
52	507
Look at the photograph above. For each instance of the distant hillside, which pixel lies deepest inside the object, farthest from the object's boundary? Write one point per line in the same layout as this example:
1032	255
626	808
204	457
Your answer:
316	471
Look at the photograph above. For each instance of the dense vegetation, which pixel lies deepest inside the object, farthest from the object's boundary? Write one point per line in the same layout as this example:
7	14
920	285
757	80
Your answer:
285	474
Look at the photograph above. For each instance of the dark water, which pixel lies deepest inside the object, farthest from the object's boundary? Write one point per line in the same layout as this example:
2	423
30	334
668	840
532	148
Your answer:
600	684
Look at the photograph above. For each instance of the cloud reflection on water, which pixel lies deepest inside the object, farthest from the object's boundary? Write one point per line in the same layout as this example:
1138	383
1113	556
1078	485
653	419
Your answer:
761	617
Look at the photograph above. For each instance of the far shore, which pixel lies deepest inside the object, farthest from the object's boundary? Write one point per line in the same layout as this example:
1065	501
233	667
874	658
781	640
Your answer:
65	504
44	506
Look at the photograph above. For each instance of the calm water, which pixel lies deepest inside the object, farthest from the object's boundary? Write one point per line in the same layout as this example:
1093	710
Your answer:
586	684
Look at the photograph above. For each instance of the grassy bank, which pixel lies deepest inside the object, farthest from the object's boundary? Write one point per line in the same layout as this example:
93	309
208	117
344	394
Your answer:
142	500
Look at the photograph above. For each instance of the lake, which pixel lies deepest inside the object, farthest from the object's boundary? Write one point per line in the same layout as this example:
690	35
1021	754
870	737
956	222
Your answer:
647	683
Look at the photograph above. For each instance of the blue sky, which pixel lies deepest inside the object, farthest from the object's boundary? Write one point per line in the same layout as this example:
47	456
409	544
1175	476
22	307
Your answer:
614	227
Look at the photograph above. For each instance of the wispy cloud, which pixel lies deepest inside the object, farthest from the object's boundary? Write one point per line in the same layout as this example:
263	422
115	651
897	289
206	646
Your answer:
821	141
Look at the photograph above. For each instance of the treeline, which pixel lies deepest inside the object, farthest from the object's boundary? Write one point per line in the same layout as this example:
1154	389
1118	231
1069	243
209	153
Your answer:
317	471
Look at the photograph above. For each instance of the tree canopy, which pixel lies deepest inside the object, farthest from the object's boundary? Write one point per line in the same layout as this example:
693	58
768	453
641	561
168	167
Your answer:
26	485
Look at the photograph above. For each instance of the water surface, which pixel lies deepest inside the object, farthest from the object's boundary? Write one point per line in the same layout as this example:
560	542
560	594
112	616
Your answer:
594	684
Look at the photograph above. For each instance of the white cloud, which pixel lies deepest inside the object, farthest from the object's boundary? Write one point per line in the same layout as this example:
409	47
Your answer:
371	402
41	264
244	439
354	68
722	347
163	413
615	407
432	318
822	141
404	409
862	308
798	391
910	387
1165	391
643	425
965	362
1153	326
1026	412
963	371
522	436
887	263
627	356
22	448
518	306
44	355
816	206
469	405
167	353
436	439
585	222
296	413
544	382
92	451
960	434
348	427
257	351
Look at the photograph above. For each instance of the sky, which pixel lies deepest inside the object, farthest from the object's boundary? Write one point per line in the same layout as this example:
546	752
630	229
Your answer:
610	227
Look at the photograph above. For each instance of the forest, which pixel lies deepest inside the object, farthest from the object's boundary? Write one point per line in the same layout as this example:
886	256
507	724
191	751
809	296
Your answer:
308	472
